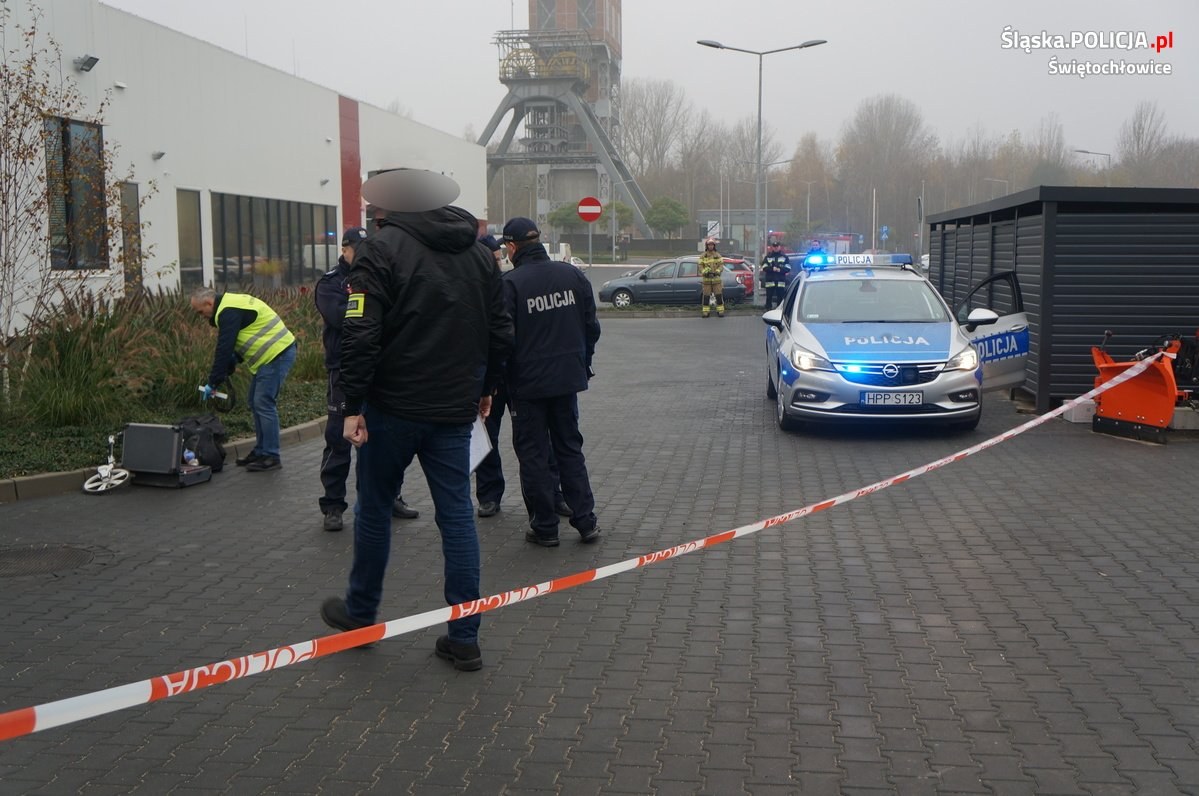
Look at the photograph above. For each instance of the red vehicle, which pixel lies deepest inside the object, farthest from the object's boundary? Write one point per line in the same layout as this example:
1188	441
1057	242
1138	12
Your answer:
743	272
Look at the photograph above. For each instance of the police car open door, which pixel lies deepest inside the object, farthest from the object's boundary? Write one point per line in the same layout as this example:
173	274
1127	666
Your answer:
1002	346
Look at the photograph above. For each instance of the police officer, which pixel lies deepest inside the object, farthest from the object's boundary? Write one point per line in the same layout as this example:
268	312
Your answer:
775	267
330	296
553	310
489	475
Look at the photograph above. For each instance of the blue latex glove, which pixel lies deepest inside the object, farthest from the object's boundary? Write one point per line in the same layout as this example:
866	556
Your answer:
207	392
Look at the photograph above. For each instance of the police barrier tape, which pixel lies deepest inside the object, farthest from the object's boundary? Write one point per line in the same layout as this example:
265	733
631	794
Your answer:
25	721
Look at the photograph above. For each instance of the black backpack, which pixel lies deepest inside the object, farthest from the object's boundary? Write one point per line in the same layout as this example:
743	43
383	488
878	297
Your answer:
204	435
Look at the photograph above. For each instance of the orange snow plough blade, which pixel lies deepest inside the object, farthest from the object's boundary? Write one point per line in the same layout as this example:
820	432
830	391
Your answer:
1141	408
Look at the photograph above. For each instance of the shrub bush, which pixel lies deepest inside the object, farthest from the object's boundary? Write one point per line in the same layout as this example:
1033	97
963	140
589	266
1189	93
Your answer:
94	368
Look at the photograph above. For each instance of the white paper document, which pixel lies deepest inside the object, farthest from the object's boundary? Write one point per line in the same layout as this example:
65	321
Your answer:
480	443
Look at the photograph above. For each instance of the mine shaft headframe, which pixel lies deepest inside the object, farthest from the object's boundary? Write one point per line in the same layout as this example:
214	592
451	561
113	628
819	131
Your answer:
538	55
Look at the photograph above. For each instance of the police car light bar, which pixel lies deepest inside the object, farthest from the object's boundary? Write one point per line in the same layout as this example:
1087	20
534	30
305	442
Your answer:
817	261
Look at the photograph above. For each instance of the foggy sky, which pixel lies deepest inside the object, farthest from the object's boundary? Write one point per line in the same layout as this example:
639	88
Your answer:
438	61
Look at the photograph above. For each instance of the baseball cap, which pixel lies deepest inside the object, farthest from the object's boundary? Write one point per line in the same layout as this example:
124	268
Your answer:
490	242
351	236
521	229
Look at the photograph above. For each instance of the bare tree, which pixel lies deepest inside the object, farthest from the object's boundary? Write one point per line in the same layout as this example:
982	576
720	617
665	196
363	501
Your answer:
51	146
812	177
1140	144
694	159
653	114
884	150
1181	155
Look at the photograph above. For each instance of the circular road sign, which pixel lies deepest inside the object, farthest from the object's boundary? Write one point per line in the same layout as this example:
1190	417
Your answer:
590	209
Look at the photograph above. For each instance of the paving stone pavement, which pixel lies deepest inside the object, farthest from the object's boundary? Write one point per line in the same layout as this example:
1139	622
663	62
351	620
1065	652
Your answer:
1021	622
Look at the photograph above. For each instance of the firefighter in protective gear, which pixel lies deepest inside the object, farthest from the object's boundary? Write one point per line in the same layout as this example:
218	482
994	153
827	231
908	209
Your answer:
711	271
775	267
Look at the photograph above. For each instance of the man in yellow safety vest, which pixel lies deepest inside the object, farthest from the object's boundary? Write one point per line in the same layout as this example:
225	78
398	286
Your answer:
250	332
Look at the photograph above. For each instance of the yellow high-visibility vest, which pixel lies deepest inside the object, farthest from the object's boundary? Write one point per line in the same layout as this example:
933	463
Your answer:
264	339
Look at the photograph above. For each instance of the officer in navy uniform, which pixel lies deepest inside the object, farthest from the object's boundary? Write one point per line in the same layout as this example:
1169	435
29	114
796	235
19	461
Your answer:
775	267
489	475
553	310
331	297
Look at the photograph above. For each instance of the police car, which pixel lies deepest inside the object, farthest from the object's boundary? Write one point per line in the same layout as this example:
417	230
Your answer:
868	338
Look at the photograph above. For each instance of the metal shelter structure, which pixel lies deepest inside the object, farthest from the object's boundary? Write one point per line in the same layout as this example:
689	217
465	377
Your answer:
550	75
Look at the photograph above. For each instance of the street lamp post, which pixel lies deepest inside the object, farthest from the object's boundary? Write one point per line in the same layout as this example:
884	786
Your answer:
808	223
1107	172
758	186
766	193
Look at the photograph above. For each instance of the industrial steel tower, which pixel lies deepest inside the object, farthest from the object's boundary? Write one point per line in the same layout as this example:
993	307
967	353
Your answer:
563	79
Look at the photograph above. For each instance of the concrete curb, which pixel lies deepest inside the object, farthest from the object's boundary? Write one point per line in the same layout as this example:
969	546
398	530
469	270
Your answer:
50	484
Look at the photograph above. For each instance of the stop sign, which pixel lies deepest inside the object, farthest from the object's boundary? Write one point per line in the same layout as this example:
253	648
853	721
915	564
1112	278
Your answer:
590	209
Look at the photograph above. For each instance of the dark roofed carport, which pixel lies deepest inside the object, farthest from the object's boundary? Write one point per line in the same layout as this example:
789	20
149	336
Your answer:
1087	259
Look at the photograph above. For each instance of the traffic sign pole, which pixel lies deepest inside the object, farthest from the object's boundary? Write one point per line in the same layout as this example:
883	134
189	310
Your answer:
589	210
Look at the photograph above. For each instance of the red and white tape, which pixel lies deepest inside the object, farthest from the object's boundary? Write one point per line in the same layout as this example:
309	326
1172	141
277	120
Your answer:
25	721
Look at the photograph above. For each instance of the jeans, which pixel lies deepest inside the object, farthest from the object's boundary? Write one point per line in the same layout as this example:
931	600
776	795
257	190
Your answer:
263	399
335	460
444	453
541	427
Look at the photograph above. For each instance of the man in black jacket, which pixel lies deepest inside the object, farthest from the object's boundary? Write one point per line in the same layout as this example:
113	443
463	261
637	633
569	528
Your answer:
553	311
424	338
331	296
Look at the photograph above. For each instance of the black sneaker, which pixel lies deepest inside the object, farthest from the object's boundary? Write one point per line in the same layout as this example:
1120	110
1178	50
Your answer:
264	463
400	510
489	509
562	508
589	536
332	521
333	611
544	541
465	657
249	458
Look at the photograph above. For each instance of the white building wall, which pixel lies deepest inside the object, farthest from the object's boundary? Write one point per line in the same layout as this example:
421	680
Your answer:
391	141
227	125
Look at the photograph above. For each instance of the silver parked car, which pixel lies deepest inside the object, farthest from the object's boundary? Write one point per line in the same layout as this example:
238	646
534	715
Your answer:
668	282
870	339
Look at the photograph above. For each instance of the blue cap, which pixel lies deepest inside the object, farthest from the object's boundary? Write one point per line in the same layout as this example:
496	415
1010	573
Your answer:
521	229
490	242
352	236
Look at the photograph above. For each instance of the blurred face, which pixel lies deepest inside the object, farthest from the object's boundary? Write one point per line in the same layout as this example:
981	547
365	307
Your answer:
348	253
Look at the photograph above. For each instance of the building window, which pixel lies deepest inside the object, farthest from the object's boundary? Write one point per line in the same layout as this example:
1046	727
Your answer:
75	192
270	243
131	236
542	14
191	251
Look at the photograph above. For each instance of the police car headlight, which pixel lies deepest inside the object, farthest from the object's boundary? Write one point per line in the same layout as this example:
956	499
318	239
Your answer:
804	359
604	285
966	360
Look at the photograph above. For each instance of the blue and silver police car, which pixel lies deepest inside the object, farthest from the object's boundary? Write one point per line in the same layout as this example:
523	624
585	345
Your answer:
868	338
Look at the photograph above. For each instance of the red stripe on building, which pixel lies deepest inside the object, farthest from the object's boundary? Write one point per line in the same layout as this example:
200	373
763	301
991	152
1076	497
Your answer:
351	162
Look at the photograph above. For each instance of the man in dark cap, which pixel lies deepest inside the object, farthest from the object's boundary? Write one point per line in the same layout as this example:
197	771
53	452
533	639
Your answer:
489	475
553	311
424	339
330	296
